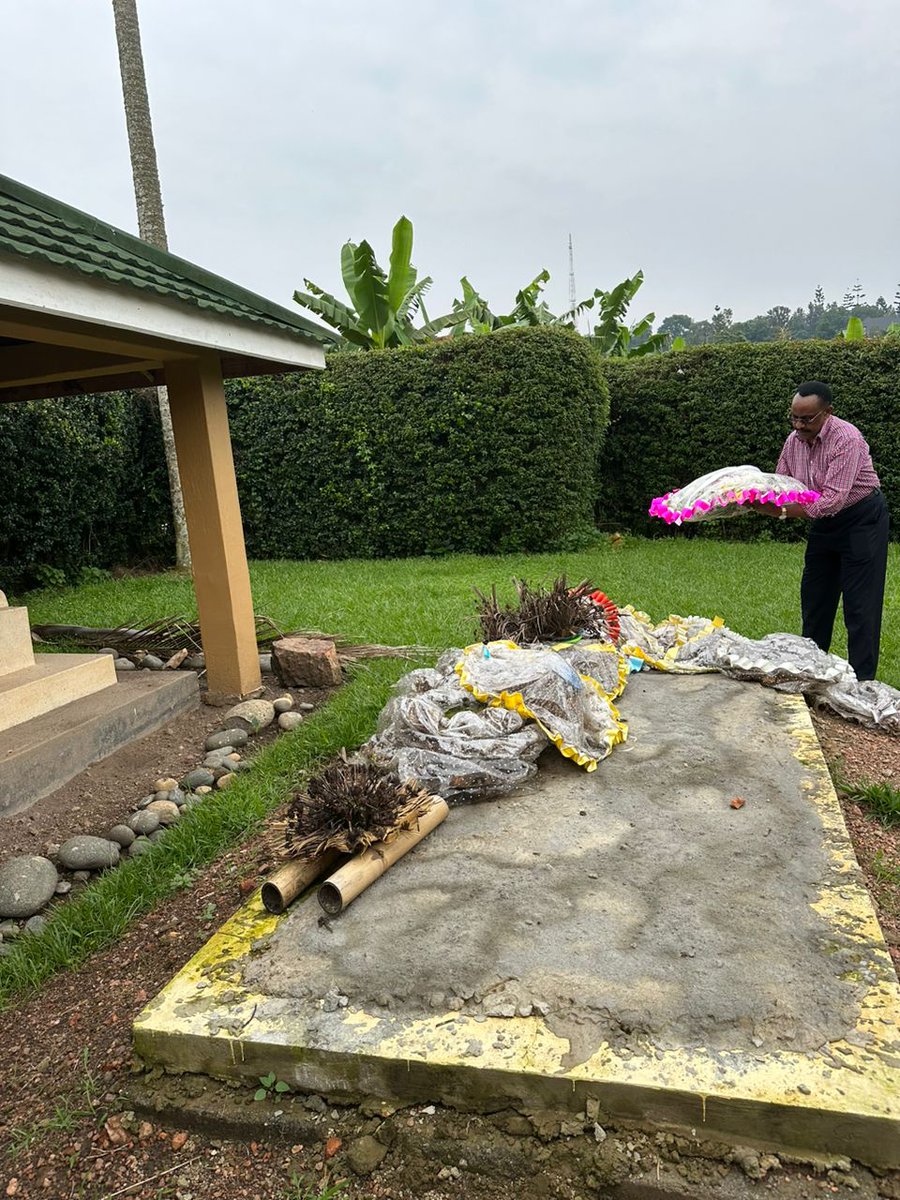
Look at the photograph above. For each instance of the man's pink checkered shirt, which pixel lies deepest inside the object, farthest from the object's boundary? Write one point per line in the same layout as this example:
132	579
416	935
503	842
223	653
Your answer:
836	463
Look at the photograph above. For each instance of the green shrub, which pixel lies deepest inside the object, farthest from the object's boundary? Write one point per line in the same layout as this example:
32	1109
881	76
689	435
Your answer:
84	485
482	444
675	416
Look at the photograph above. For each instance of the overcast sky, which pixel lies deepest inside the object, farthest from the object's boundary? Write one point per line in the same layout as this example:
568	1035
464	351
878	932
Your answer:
739	151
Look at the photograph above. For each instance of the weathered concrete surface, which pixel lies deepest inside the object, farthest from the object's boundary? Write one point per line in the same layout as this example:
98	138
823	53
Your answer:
685	963
629	903
41	755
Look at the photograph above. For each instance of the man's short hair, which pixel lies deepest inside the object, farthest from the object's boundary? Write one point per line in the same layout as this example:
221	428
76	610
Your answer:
814	387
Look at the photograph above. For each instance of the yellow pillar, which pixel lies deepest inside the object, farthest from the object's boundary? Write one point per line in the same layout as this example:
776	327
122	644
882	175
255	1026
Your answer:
221	576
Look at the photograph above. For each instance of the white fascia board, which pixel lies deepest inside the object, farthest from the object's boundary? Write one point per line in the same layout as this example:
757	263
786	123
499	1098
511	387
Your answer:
36	286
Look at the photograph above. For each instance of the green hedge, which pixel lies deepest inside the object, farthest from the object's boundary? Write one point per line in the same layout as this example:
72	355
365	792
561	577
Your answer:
83	484
478	444
676	416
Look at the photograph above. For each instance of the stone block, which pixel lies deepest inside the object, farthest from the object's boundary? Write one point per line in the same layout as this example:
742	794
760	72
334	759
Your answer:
16	653
306	662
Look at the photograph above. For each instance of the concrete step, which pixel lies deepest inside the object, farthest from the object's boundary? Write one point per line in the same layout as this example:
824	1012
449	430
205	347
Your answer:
41	755
52	681
16	652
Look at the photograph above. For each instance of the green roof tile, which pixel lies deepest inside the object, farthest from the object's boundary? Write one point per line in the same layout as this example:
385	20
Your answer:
36	226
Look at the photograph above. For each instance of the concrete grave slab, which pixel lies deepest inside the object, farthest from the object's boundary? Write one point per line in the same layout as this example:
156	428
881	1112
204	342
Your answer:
624	935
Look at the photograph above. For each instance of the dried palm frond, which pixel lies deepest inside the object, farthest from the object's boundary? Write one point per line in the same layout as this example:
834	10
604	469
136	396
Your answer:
168	636
546	614
348	807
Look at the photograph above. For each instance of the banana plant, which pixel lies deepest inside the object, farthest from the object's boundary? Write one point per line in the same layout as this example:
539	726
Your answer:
611	335
855	331
383	305
529	308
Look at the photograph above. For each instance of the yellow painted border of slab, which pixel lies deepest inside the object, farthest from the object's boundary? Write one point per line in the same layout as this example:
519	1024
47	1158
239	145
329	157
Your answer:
844	1099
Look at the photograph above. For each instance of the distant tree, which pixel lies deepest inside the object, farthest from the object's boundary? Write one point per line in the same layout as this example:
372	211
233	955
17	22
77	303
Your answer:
897	300
882	305
831	322
722	323
756	329
818	300
859	295
676	325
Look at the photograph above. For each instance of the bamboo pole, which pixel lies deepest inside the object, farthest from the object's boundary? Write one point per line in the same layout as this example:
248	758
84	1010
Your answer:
293	878
356	875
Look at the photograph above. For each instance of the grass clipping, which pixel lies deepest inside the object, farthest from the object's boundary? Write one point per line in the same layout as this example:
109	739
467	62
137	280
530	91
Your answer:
348	807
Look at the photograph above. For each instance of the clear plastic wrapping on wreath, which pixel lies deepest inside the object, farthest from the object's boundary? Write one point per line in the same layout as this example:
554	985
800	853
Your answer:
599	661
870	703
783	660
437	733
729	492
538	682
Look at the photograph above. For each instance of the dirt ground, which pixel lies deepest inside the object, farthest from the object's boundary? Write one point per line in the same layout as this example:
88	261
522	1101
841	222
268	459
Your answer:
78	1120
107	792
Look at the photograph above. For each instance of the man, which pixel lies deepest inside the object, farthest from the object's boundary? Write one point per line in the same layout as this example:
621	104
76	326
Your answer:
846	550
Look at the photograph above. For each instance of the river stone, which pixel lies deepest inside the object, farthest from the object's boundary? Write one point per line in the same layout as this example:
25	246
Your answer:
225	780
265	664
139	846
290	720
194	662
26	884
152	663
124	664
36	924
199	777
84	853
157	835
364	1154
215	758
165	811
283	704
122	835
107	650
252	715
146	800
305	706
144	822
177	796
166	784
235	738
204	790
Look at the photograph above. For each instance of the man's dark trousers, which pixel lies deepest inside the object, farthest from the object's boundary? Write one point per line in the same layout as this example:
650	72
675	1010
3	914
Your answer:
847	555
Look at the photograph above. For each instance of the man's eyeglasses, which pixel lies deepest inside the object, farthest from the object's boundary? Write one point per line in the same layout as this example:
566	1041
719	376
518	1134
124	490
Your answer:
804	420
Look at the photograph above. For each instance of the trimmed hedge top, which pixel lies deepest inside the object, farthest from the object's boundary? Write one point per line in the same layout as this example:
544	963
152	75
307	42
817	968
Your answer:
479	444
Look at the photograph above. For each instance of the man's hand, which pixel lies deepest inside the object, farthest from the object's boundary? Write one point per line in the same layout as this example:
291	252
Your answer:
794	510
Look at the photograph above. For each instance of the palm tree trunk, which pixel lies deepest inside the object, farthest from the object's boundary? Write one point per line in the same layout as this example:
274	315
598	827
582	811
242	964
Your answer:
151	223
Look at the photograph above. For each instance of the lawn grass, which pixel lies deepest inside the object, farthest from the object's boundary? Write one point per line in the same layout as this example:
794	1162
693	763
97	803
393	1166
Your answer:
754	587
428	601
